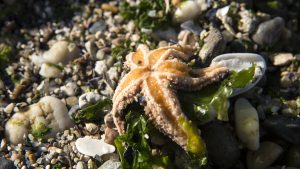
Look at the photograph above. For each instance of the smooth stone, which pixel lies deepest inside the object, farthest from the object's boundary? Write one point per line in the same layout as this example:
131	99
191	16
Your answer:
93	147
222	146
214	45
6	164
98	27
168	34
111	164
69	89
100	67
269	32
286	127
81	165
9	108
61	52
38	60
248	21
292	157
239	61
16	128
187	10
1	85
91	48
246	123
281	59
191	26
49	71
267	154
88	99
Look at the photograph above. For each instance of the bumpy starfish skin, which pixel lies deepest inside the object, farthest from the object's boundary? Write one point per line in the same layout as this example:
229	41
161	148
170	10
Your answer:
155	75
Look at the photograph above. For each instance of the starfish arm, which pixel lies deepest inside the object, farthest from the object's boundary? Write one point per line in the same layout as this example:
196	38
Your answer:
157	56
173	66
131	77
126	97
198	78
138	58
163	109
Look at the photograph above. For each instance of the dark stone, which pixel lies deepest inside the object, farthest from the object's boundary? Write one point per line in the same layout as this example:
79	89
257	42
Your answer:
284	127
269	32
6	164
191	26
222	146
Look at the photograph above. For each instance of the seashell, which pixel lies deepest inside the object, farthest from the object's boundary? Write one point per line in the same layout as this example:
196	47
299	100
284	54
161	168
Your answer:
246	123
93	147
240	61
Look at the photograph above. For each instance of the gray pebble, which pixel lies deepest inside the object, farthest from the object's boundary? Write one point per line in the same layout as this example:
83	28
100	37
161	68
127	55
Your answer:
111	164
97	26
6	164
268	32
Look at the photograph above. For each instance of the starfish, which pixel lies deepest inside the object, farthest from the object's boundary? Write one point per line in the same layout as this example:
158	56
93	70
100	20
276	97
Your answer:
156	75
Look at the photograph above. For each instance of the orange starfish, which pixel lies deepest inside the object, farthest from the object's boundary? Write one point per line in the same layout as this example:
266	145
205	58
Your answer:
154	75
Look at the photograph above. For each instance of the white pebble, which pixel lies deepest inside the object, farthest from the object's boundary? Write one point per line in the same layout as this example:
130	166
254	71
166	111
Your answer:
246	123
61	52
49	71
100	67
88	98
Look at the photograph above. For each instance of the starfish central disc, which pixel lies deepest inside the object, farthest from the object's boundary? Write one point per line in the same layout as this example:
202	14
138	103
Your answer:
156	75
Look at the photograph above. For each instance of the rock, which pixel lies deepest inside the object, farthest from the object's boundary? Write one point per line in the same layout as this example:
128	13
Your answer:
91	127
292	157
285	127
286	81
187	10
110	135
49	113
6	164
240	61
100	67
38	60
186	37
71	101
1	85
222	146
93	147
269	32
246	123
214	45
267	153
248	21
91	48
168	34
99	26
81	165
69	89
61	52
191	26
9	108
49	71
281	59
111	164
100	55
88	99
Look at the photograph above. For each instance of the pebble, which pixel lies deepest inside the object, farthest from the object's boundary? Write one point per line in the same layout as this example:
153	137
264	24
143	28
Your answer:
111	164
168	34
81	165
91	48
1	85
221	144
286	127
93	147
269	32
246	123
267	154
100	67
91	128
281	59
292	156
49	71
99	26
6	164
100	55
191	26
72	101
9	108
61	52
214	45
186	10
110	135
88	99
69	89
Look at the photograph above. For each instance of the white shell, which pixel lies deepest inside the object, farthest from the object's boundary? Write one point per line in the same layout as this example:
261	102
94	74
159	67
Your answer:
240	61
246	123
93	147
